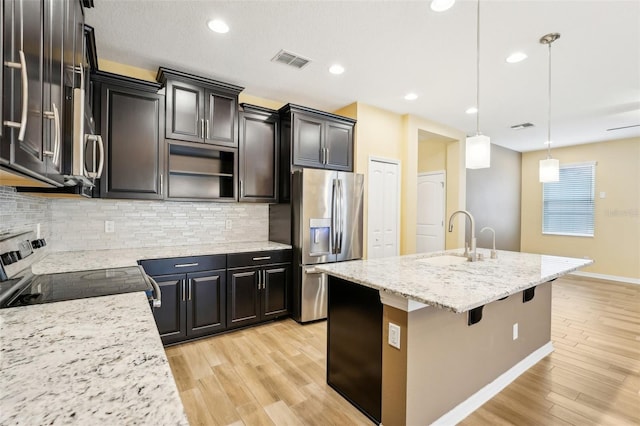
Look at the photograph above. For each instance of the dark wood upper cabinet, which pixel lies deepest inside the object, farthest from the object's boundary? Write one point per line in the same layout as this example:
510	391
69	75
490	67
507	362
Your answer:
199	109
258	154
131	121
312	138
339	145
317	139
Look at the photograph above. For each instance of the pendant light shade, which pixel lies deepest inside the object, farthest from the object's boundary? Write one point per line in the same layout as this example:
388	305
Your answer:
549	169
478	154
478	147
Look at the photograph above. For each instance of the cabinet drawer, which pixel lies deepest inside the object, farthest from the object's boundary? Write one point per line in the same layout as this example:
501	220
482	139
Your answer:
178	265
257	258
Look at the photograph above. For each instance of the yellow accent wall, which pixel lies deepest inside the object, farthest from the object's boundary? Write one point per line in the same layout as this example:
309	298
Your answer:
128	70
456	179
379	133
432	154
615	246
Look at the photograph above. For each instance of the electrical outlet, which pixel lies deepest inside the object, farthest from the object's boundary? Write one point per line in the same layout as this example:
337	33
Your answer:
515	331
109	226
228	224
394	335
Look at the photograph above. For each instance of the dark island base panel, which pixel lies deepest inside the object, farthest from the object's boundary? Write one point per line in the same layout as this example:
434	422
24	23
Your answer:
354	345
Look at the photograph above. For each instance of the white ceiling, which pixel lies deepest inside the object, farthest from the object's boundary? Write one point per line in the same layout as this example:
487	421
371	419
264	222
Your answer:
390	48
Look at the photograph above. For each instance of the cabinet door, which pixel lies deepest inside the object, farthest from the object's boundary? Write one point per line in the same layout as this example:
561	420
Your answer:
206	307
25	35
53	89
275	294
170	317
339	146
221	119
307	141
130	126
243	303
185	112
258	157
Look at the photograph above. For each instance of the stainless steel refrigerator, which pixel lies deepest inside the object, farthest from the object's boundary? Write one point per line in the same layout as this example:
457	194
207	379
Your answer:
323	223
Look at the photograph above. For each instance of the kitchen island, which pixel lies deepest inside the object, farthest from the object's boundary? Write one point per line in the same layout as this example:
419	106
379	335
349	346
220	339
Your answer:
428	338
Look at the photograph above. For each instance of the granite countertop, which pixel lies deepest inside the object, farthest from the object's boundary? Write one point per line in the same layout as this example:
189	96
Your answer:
90	361
459	287
70	261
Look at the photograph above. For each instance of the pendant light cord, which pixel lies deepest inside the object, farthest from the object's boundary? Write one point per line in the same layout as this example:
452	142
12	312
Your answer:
549	109
478	70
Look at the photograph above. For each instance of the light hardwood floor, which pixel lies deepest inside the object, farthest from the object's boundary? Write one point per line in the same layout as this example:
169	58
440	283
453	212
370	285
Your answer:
274	374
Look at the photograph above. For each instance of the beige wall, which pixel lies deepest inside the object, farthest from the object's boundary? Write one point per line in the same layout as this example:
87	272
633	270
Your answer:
379	133
128	70
616	244
456	179
432	154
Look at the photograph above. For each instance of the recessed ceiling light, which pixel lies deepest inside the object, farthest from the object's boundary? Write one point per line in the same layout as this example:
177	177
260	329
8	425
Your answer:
336	69
218	26
441	5
516	57
411	97
471	110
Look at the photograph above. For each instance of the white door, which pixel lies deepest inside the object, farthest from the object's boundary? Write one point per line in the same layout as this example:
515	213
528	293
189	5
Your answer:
383	208
431	211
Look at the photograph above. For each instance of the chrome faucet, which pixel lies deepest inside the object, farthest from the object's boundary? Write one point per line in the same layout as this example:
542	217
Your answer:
494	253
472	255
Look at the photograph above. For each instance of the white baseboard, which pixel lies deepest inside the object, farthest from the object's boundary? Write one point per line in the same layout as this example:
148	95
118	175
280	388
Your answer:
607	277
468	406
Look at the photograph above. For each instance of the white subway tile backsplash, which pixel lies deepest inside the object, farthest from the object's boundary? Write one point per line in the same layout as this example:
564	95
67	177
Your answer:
78	224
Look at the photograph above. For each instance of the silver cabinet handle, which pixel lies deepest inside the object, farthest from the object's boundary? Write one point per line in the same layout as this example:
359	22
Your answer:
206	126
22	66
190	287
264	279
58	138
97	140
185	265
101	148
157	301
262	258
259	279
161	185
202	127
241	193
326	156
184	291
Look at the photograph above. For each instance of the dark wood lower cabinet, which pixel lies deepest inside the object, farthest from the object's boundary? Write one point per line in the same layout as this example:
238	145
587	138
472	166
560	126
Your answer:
257	294
204	295
193	305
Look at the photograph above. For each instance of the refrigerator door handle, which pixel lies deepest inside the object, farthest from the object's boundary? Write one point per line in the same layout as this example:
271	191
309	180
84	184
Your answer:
335	201
340	217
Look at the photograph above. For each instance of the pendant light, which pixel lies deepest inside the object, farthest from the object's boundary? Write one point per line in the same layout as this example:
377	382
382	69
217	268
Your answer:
478	149
550	167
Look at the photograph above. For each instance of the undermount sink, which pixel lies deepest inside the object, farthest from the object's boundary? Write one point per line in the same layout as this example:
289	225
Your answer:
444	260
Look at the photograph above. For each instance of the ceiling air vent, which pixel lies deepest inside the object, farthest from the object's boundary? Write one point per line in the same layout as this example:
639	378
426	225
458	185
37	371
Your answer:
290	59
521	126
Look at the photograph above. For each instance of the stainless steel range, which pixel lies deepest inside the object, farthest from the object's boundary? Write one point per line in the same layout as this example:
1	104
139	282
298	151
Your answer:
19	287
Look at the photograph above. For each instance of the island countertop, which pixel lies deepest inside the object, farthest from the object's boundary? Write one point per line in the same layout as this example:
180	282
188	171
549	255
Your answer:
458	287
89	361
71	261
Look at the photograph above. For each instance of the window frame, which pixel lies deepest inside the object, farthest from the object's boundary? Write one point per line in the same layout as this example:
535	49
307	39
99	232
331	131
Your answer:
592	165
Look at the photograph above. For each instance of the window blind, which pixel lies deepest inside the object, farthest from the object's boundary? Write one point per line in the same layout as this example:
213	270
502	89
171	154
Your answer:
568	205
